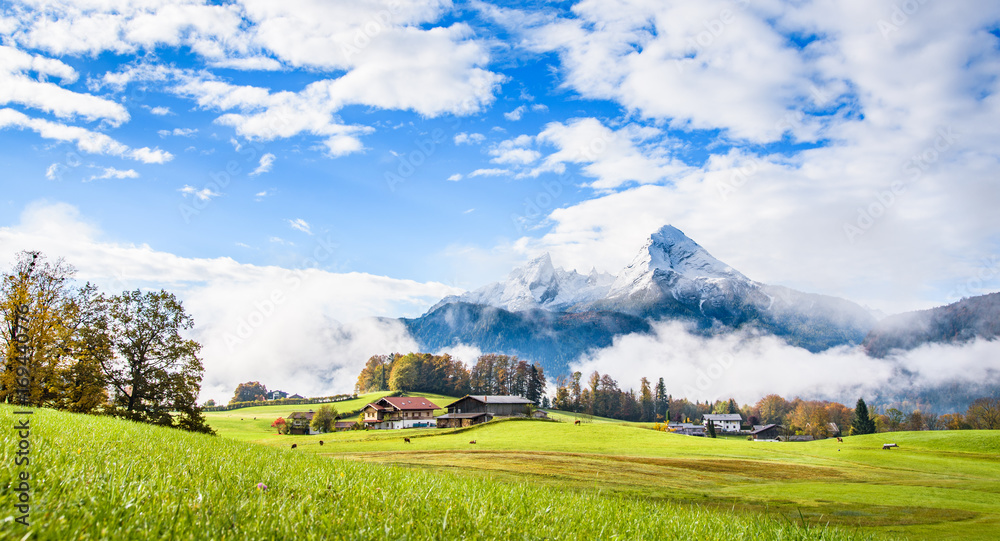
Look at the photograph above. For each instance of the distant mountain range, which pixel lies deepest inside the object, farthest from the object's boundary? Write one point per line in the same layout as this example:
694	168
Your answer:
552	315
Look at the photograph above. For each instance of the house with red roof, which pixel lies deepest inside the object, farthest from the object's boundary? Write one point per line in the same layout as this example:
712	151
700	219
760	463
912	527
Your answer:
391	412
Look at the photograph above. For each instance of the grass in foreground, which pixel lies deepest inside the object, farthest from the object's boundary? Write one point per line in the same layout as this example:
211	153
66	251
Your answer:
936	485
101	478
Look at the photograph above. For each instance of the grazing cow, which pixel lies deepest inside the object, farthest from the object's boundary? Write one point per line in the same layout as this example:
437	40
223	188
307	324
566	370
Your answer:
406	440
889	445
576	422
321	442
473	441
840	440
294	445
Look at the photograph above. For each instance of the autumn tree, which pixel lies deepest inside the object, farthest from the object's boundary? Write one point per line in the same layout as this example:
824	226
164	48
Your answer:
772	409
647	404
862	422
374	376
249	392
984	414
50	338
153	370
281	425
323	418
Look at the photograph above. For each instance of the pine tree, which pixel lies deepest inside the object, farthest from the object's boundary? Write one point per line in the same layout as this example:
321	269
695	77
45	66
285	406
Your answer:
711	429
862	422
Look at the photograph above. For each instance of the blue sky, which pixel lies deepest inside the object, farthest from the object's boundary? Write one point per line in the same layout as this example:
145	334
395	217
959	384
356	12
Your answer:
845	149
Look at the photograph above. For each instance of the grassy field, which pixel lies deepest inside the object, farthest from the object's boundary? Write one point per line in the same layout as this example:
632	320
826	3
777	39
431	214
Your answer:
936	485
102	478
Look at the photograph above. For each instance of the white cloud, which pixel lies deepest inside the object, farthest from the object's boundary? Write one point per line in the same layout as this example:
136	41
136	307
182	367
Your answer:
111	172
259	196
52	173
18	86
246	316
515	151
301	225
456	177
266	162
463	138
178	132
85	140
746	366
516	114
159	110
204	194
489	172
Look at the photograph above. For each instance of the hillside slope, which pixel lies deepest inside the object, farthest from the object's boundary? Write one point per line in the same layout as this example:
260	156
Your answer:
102	478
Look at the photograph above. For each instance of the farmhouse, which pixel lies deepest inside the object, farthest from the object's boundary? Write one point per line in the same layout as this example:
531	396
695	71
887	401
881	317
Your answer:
687	429
475	409
391	412
726	422
766	432
276	395
299	422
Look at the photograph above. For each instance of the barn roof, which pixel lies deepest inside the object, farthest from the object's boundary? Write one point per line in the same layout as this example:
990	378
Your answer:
723	417
462	415
409	402
493	399
301	415
762	428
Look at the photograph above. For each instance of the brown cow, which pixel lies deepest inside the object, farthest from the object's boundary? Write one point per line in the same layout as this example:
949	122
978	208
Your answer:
406	440
321	442
840	440
576	422
473	441
294	445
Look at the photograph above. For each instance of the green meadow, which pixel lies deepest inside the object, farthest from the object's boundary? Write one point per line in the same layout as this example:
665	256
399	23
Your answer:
103	478
936	485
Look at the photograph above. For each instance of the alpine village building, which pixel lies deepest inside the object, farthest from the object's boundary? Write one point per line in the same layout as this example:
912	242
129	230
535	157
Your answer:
393	412
475	409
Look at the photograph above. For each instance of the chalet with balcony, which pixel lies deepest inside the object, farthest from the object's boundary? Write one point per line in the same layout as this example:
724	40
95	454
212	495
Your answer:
475	409
300	423
392	412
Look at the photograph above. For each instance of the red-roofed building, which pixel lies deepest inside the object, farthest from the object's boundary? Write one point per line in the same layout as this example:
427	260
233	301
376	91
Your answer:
392	412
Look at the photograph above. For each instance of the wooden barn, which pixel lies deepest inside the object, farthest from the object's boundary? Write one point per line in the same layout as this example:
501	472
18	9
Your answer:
475	409
299	423
766	432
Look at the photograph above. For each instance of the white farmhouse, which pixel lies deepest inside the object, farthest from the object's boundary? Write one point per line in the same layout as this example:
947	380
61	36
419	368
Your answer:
725	422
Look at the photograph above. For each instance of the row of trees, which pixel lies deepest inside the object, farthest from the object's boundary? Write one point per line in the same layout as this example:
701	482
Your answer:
74	348
492	374
601	396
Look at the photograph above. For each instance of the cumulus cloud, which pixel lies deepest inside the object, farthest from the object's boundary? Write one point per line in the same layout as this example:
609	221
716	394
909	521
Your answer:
456	177
463	138
86	141
204	194
489	172
178	132
266	162
318	324
111	172
516	114
746	366
381	54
